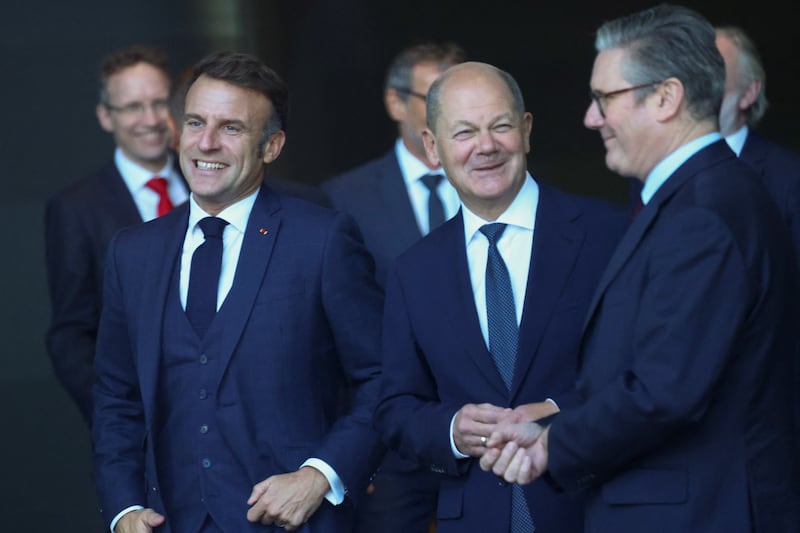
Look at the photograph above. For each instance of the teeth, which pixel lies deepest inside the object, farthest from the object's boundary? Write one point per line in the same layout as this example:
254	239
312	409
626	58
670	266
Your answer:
205	165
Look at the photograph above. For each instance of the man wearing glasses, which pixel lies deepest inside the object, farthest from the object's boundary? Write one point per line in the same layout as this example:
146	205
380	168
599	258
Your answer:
141	183
396	199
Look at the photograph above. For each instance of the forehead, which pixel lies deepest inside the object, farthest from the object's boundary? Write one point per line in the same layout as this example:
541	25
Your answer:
212	97
475	98
607	70
423	75
138	78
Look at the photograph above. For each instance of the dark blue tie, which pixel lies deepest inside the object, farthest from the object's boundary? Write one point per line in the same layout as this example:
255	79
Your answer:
503	339
435	207
201	300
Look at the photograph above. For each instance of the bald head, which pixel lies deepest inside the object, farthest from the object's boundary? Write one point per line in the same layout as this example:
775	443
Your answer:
465	75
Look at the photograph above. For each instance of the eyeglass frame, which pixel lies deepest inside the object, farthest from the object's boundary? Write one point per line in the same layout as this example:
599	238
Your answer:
408	92
598	96
138	109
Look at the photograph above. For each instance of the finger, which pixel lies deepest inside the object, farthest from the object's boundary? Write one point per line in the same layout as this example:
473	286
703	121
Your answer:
512	472
527	474
506	455
258	490
489	458
152	518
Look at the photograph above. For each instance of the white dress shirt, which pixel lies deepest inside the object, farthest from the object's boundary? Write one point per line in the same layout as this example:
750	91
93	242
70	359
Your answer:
136	178
413	170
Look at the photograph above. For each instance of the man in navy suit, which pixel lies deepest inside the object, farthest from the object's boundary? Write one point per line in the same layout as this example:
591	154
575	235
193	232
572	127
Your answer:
442	390
81	219
387	196
389	199
743	107
685	422
239	423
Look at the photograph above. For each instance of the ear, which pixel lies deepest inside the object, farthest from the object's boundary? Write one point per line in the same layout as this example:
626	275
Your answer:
749	95
104	117
429	141
395	105
668	99
273	146
527	127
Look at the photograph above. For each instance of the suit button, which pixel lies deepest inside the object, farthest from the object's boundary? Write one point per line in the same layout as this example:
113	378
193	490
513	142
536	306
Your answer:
203	394
203	359
204	429
206	463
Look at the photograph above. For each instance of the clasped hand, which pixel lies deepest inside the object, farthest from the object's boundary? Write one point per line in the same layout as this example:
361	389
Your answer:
517	452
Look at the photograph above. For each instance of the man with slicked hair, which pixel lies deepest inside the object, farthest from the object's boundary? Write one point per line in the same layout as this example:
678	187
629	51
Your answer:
685	415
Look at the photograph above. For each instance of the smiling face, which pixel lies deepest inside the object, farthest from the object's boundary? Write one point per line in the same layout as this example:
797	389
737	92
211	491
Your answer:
480	140
136	113
627	127
221	143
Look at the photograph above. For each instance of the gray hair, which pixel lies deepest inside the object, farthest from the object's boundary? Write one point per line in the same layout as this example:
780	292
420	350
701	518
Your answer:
750	69
433	103
399	74
669	41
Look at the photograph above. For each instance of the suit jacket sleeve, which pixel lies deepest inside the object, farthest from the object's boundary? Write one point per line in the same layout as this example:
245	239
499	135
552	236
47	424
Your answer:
119	425
688	310
74	298
411	417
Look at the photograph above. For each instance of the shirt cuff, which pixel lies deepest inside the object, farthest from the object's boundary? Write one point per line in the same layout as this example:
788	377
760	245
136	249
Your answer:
457	454
336	493
122	513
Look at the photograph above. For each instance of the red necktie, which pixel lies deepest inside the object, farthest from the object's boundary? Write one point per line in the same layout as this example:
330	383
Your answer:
159	185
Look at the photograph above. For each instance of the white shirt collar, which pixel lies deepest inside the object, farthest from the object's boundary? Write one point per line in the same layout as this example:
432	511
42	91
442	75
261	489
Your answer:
411	168
736	139
521	212
135	176
236	215
664	169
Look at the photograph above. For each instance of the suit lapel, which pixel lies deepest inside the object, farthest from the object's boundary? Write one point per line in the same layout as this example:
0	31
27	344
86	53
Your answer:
392	189
646	217
557	242
166	246
464	321
257	245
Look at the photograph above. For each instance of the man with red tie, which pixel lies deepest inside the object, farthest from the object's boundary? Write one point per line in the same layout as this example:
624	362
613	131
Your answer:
141	183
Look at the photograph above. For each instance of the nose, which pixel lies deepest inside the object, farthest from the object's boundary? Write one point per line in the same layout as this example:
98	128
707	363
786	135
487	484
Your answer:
208	140
153	115
486	142
593	119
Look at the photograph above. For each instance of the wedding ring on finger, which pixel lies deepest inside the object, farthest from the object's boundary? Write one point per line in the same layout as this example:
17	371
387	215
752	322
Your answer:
484	440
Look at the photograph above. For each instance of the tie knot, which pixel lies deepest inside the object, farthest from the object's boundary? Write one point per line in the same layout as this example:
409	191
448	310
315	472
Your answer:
493	232
432	181
157	184
212	227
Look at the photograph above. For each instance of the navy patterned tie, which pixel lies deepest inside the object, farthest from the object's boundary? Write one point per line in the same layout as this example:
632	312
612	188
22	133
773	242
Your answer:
201	300
435	207
503	338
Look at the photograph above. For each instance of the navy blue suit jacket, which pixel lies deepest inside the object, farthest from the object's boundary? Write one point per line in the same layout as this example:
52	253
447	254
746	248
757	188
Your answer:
436	360
79	223
375	195
304	321
779	170
685	369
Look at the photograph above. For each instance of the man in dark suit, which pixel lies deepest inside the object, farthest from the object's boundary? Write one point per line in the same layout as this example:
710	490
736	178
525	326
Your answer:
685	423
447	379
743	107
230	329
81	219
391	202
388	196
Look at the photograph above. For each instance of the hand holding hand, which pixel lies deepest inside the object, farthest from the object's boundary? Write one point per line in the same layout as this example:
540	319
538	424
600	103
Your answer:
517	452
473	425
288	500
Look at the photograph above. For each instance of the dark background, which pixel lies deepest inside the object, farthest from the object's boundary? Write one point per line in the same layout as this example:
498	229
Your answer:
333	55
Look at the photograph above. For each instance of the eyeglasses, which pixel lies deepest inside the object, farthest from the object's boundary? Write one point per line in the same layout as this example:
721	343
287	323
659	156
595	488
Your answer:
137	109
409	92
601	98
